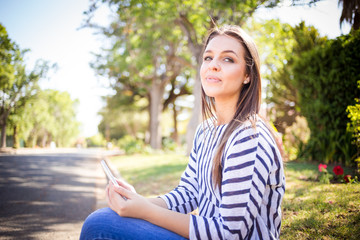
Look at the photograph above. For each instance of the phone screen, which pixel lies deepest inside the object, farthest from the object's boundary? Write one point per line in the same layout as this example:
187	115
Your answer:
108	173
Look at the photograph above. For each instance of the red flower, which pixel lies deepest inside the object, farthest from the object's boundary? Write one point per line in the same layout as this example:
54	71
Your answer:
338	170
347	178
322	167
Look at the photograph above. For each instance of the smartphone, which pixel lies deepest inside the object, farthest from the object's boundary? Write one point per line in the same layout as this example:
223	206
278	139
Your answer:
108	173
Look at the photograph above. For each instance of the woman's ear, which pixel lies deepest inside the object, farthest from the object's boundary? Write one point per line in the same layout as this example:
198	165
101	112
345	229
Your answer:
247	79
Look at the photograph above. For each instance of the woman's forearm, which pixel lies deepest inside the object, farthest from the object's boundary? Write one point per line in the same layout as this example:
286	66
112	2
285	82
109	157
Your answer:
159	202
171	220
152	210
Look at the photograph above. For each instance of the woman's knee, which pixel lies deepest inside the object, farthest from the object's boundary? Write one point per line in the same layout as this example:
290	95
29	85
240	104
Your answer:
107	224
99	224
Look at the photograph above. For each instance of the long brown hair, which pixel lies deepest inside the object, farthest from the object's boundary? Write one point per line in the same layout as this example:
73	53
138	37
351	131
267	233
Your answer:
248	104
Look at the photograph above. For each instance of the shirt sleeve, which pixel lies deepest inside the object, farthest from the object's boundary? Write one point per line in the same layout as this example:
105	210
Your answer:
246	168
184	197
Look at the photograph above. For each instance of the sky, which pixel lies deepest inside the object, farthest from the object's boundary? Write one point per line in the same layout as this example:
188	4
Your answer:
50	29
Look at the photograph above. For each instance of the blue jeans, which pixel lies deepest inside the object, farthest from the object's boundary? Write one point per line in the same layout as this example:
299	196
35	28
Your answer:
107	224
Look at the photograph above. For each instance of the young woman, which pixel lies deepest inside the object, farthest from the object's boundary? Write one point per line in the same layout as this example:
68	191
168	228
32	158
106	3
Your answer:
235	175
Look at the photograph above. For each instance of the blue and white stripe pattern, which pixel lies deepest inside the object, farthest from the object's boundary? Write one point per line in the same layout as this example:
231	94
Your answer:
252	188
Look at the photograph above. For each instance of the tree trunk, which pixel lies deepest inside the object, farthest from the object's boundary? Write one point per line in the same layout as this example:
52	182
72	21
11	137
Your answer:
356	24
44	140
15	138
156	106
196	114
175	135
107	132
3	135
196	50
3	122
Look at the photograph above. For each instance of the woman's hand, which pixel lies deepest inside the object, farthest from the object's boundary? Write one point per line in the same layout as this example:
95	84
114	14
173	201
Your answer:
126	185
134	206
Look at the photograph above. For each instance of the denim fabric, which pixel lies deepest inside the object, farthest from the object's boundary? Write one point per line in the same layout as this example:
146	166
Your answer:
106	224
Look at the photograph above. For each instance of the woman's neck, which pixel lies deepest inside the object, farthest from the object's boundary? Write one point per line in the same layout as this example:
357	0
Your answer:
225	112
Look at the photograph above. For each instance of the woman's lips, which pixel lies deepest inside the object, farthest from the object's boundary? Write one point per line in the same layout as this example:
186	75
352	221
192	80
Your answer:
212	79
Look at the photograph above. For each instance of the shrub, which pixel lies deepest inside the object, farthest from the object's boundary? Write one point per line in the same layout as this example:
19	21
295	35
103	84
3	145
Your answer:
96	141
354	126
131	145
169	144
326	78
324	176
295	137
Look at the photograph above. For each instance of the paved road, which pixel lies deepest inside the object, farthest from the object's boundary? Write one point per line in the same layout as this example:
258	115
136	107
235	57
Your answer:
48	195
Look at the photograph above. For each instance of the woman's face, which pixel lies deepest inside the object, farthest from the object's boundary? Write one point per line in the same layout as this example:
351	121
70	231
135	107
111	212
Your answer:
223	70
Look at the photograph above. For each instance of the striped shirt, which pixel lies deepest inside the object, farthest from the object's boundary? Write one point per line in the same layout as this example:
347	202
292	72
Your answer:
248	205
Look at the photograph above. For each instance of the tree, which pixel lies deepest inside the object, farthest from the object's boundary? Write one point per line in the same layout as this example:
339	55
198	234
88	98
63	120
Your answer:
179	87
49	117
194	18
145	59
17	86
63	110
326	77
350	13
9	53
122	117
282	45
275	41
353	126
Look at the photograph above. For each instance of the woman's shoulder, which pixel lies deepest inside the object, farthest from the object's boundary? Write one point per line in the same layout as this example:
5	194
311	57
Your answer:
253	129
265	132
205	126
253	137
267	143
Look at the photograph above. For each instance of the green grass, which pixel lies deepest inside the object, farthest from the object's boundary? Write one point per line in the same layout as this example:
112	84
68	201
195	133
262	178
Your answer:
311	210
151	175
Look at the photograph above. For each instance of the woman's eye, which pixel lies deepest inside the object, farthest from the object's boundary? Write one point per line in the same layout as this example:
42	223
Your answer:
228	60
207	58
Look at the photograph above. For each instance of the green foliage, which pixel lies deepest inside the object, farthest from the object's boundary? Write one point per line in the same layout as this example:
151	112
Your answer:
49	116
9	54
17	85
131	145
295	138
326	79
280	45
312	210
169	144
96	141
146	55
26	112
119	119
354	126
324	176
158	43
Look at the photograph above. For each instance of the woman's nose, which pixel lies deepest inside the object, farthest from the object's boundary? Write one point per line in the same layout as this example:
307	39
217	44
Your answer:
214	65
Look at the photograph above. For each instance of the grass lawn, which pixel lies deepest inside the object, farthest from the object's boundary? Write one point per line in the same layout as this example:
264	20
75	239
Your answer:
311	210
151	175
